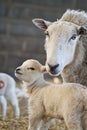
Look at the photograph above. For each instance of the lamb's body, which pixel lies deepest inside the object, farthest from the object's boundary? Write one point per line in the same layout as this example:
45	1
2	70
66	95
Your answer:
72	69
58	100
8	92
67	101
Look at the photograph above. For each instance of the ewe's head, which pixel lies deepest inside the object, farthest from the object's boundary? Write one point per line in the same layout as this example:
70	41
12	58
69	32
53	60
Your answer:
61	43
30	71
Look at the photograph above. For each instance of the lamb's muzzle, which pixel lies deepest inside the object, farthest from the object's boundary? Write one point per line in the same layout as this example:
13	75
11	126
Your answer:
18	71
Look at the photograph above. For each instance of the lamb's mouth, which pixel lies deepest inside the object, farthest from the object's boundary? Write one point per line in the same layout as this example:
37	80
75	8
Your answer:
18	72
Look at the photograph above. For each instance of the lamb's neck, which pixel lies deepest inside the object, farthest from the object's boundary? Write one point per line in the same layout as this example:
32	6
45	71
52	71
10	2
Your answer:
36	85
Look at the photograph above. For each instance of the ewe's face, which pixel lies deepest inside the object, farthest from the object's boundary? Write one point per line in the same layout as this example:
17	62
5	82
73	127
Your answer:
60	45
29	71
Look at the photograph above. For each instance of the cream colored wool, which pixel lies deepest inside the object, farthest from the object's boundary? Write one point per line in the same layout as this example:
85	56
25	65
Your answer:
67	101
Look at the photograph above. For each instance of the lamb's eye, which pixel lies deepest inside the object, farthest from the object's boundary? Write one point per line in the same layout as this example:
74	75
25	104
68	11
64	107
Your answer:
46	33
30	68
73	37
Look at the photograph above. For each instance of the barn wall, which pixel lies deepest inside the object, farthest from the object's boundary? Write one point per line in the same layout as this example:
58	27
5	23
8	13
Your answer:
19	38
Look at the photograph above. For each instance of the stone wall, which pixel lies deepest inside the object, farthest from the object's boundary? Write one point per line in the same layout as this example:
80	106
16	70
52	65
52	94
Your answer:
19	38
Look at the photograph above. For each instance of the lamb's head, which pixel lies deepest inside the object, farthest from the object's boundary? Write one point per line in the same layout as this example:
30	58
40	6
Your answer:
30	71
62	39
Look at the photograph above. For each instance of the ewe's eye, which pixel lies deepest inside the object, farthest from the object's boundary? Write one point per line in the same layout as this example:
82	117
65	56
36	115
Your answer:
30	68
46	33
73	37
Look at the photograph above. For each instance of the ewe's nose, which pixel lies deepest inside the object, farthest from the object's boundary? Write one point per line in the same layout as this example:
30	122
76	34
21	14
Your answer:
53	68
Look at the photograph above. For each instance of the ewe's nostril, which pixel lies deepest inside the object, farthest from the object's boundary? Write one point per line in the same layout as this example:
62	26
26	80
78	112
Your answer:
55	66
52	68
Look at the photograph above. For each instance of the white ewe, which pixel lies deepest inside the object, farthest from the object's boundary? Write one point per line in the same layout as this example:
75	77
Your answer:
66	46
8	92
67	101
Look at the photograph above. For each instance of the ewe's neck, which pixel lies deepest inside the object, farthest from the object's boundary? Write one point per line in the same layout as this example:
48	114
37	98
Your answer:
76	74
35	85
76	71
72	73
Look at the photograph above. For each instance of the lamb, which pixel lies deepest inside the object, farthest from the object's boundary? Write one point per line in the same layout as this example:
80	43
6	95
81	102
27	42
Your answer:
66	45
8	92
67	101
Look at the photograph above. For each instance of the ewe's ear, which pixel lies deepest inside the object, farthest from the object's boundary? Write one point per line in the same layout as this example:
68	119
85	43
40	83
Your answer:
41	23
43	69
82	31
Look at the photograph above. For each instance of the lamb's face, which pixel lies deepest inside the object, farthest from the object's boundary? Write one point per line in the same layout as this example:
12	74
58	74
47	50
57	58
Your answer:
29	71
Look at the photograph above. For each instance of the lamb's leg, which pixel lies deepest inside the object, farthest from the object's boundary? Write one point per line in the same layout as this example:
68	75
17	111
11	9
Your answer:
73	122
46	122
4	105
14	102
33	123
84	120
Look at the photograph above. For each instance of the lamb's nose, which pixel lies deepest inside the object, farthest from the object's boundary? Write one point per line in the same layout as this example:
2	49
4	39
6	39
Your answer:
17	70
53	68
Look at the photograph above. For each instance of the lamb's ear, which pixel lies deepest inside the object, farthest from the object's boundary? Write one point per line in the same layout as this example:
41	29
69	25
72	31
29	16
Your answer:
82	30
43	69
41	23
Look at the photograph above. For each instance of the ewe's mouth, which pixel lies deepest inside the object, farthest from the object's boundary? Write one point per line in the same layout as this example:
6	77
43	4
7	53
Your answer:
55	73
